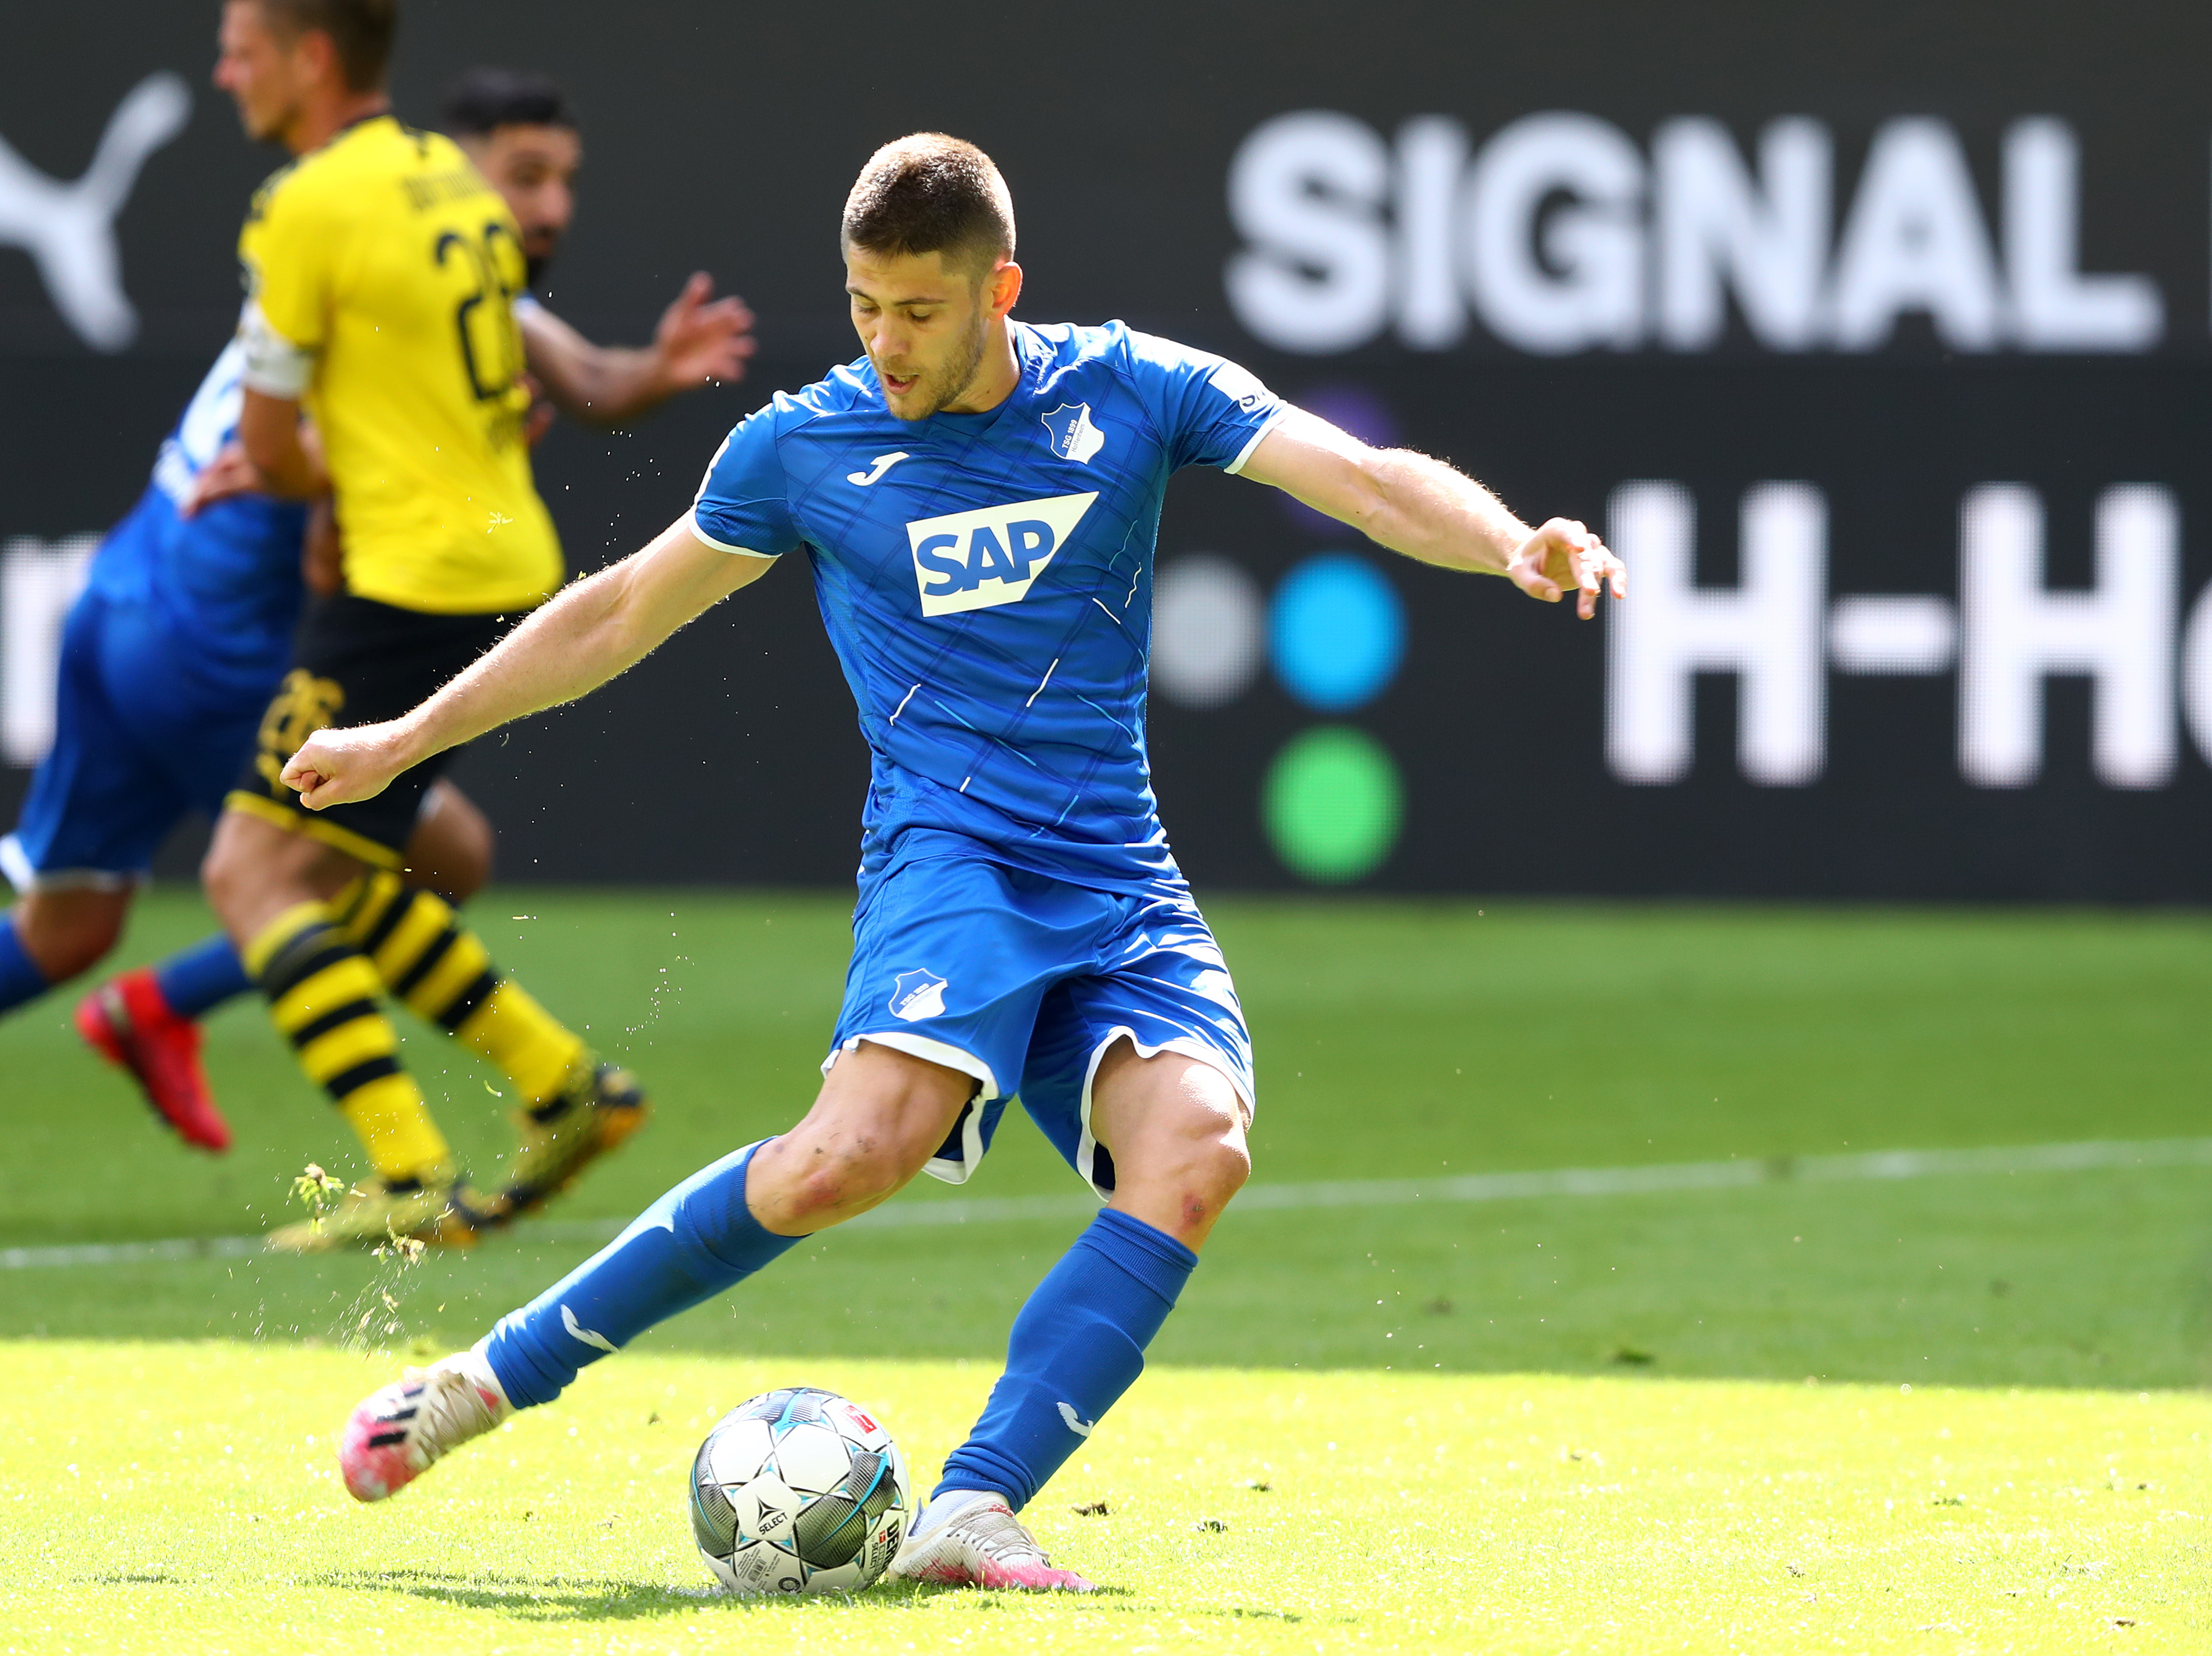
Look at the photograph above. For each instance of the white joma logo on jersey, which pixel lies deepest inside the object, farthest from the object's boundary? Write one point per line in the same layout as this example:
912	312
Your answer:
973	560
883	464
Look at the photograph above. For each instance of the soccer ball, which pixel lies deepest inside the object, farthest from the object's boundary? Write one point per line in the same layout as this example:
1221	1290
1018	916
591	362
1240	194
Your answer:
798	1491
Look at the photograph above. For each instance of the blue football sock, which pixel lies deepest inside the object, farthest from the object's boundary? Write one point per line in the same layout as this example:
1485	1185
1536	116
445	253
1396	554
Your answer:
687	1247
197	980
20	980
1078	1344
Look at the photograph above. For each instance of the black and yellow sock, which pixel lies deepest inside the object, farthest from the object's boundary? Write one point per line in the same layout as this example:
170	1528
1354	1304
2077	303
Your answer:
323	993
440	968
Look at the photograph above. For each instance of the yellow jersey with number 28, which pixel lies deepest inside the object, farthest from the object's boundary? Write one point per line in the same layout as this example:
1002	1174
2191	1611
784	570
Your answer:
381	273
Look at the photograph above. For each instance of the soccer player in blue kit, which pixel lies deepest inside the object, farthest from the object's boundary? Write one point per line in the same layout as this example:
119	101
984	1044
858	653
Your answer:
186	629
978	500
169	657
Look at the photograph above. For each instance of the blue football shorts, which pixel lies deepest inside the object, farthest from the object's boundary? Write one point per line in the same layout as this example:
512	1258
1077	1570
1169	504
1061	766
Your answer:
141	741
1023	982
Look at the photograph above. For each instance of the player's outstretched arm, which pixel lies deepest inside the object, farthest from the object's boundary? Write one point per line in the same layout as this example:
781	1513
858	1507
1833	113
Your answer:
1428	510
594	629
699	340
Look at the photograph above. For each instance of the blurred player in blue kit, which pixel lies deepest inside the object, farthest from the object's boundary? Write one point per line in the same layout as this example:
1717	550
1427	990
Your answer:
170	655
977	499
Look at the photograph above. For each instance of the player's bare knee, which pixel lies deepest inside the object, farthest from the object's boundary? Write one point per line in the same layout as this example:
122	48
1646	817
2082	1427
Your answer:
67	933
836	1164
452	848
1227	1164
1210	1178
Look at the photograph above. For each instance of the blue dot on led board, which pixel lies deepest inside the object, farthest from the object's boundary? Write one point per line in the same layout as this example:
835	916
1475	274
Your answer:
1337	632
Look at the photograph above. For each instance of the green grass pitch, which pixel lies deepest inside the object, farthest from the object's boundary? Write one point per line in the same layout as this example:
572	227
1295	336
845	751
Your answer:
1673	1421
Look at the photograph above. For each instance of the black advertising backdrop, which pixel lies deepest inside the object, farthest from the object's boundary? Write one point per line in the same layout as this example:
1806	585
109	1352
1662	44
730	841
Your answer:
1845	272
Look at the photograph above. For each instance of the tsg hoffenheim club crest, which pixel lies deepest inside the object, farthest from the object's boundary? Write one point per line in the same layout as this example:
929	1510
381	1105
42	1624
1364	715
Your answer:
1074	436
917	994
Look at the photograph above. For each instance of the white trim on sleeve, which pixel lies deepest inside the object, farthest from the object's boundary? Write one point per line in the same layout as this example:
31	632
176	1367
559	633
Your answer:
725	546
1235	466
275	366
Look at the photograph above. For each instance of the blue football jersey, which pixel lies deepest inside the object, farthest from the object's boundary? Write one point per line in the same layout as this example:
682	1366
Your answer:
987	581
226	581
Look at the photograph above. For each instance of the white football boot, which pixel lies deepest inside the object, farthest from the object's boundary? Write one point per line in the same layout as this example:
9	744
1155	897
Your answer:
394	1434
969	1539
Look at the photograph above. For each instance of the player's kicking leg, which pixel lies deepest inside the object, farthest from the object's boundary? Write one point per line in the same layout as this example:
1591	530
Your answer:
1175	1129
146	1022
878	1118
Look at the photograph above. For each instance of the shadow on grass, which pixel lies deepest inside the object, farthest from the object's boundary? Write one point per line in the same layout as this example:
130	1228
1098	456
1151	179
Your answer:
557	1598
596	1599
528	1599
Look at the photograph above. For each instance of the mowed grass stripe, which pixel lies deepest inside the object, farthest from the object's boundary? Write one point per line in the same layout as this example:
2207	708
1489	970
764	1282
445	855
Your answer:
160	1498
2087	1155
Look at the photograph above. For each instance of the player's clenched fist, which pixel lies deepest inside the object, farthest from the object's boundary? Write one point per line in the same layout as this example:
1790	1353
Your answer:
1563	554
337	767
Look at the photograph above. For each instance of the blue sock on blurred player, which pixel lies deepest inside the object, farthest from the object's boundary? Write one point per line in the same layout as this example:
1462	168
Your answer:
20	980
1078	1344
196	981
696	1241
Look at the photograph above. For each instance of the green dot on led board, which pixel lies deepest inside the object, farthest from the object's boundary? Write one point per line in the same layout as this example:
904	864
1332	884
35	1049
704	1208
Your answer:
1332	804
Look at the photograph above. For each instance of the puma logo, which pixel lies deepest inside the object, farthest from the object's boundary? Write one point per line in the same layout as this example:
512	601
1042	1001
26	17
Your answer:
587	1336
68	230
1076	1423
881	464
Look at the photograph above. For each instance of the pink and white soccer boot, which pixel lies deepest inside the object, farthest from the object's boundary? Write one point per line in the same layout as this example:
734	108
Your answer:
394	1434
967	1538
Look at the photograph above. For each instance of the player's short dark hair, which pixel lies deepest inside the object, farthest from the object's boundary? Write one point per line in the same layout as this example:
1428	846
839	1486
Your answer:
486	99
360	31
930	193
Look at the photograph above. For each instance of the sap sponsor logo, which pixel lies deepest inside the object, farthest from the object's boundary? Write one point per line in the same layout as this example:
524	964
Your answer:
917	994
1073	435
68	230
973	560
2134	633
1560	234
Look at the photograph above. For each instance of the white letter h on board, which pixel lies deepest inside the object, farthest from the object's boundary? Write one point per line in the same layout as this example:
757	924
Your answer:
1767	630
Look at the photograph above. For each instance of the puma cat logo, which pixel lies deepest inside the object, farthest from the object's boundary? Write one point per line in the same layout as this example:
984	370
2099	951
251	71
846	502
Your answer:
68	230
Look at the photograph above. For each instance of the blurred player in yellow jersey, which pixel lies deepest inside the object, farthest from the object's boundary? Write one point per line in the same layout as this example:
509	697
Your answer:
382	272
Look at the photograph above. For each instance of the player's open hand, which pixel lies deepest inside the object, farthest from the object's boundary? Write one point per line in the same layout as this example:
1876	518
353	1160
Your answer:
228	474
701	338
337	767
1563	554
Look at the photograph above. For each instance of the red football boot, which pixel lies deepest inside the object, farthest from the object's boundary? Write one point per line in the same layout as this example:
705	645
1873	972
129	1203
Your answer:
128	1023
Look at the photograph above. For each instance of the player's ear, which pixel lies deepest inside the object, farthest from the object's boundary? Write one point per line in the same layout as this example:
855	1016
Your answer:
317	54
1004	287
